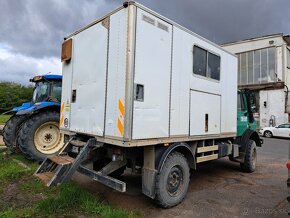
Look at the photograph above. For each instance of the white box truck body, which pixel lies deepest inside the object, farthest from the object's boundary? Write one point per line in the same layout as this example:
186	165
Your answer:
133	78
142	92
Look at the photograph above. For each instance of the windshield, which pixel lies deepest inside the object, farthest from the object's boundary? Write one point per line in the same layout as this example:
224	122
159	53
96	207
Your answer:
40	92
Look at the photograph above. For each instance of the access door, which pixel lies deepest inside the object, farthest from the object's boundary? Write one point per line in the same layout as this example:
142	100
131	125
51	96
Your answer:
89	80
152	77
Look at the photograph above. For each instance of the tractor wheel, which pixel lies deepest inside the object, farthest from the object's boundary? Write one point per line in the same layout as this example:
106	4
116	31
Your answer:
250	161
11	131
40	136
173	181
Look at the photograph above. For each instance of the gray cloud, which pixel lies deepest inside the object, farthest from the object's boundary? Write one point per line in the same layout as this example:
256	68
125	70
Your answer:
35	29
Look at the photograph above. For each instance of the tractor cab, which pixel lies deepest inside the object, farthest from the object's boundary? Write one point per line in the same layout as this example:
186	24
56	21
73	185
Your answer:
47	88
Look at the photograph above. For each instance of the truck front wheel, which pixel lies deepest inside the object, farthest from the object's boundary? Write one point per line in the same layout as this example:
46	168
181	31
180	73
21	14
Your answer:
11	130
173	181
250	160
40	136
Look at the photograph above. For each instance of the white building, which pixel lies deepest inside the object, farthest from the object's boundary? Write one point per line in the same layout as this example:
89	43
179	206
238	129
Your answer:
264	66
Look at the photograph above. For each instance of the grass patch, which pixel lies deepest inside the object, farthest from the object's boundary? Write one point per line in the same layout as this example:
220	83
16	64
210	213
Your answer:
67	200
10	171
4	118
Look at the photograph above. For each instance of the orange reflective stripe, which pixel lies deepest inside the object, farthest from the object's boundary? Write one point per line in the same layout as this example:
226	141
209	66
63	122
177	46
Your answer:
61	120
120	127
121	108
62	107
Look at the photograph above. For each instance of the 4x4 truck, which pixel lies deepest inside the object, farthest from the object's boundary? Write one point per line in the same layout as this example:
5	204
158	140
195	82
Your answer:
144	93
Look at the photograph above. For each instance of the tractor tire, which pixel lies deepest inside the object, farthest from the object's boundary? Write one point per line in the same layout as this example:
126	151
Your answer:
11	131
40	137
250	161
173	181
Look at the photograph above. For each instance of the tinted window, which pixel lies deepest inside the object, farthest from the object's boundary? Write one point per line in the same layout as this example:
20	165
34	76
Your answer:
199	61
284	126
241	105
205	63
213	69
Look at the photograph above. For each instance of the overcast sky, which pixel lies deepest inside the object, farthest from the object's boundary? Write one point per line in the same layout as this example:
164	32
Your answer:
31	31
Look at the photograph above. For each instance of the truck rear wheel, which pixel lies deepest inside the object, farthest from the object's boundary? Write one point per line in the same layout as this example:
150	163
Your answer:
173	181
11	130
250	161
40	136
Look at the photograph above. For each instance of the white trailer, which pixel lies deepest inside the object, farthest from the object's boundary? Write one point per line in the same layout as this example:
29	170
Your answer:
148	94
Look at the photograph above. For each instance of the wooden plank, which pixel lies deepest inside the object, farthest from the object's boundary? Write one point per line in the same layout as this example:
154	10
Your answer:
206	158
207	148
45	177
61	160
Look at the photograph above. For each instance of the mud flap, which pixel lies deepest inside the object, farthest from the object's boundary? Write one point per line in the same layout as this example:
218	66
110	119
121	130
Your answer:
148	182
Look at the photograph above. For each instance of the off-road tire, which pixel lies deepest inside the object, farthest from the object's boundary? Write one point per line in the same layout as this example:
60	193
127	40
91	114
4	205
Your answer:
268	134
174	163
27	132
250	161
11	131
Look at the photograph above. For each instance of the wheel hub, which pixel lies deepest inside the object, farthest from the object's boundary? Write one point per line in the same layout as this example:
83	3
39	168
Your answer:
174	181
47	138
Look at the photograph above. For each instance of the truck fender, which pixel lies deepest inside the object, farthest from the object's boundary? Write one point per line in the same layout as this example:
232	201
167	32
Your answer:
249	134
183	148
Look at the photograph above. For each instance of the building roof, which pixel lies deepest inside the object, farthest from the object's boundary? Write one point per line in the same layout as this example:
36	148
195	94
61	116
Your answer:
285	37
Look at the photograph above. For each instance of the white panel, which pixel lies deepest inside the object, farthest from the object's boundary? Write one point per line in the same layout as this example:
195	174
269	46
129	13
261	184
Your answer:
89	80
66	95
229	93
116	70
180	91
152	69
202	104
275	107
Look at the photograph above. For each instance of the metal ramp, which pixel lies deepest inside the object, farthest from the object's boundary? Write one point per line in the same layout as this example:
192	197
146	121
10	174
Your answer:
59	168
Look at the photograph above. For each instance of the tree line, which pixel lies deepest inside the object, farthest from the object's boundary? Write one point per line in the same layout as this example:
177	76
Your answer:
13	95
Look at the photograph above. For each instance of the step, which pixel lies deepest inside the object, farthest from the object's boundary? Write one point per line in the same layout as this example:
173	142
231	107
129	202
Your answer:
45	177
61	160
77	143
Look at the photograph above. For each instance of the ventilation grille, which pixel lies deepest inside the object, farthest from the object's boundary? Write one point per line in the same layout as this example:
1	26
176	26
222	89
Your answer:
148	19
162	26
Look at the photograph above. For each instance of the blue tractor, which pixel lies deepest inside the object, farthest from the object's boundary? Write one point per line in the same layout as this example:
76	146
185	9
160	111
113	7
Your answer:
34	126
